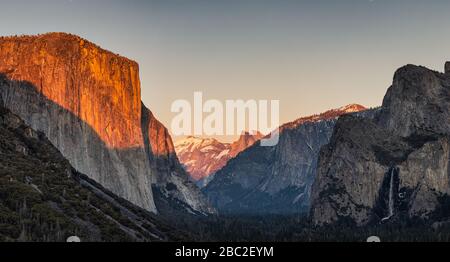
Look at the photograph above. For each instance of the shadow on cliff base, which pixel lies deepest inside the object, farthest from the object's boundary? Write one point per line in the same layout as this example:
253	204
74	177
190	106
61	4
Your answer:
23	96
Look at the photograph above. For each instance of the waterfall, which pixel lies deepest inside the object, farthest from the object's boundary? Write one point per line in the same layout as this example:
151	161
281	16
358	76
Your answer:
391	203
391	194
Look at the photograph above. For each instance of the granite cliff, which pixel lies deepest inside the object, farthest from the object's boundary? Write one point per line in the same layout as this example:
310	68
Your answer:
393	165
87	101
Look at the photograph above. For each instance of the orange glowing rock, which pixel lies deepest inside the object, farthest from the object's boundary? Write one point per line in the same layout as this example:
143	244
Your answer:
87	101
99	87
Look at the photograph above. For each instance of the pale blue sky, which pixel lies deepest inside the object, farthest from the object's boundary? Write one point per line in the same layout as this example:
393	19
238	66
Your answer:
312	55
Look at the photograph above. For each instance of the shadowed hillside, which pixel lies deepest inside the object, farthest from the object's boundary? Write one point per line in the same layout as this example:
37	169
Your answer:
43	198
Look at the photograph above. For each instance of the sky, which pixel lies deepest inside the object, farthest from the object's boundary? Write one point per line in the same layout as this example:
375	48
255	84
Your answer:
310	55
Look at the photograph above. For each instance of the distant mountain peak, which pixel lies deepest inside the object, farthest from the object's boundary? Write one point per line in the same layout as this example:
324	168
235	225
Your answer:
202	157
246	140
352	108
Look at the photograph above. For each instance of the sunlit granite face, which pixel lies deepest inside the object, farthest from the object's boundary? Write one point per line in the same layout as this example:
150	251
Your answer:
97	86
88	102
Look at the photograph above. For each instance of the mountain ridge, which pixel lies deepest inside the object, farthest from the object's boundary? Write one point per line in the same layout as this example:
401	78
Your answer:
278	179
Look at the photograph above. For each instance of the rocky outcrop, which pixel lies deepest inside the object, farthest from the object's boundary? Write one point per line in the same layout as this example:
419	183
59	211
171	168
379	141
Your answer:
246	140
417	102
202	157
393	165
278	179
88	103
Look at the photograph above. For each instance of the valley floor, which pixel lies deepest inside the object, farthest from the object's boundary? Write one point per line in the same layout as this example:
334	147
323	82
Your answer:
299	229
